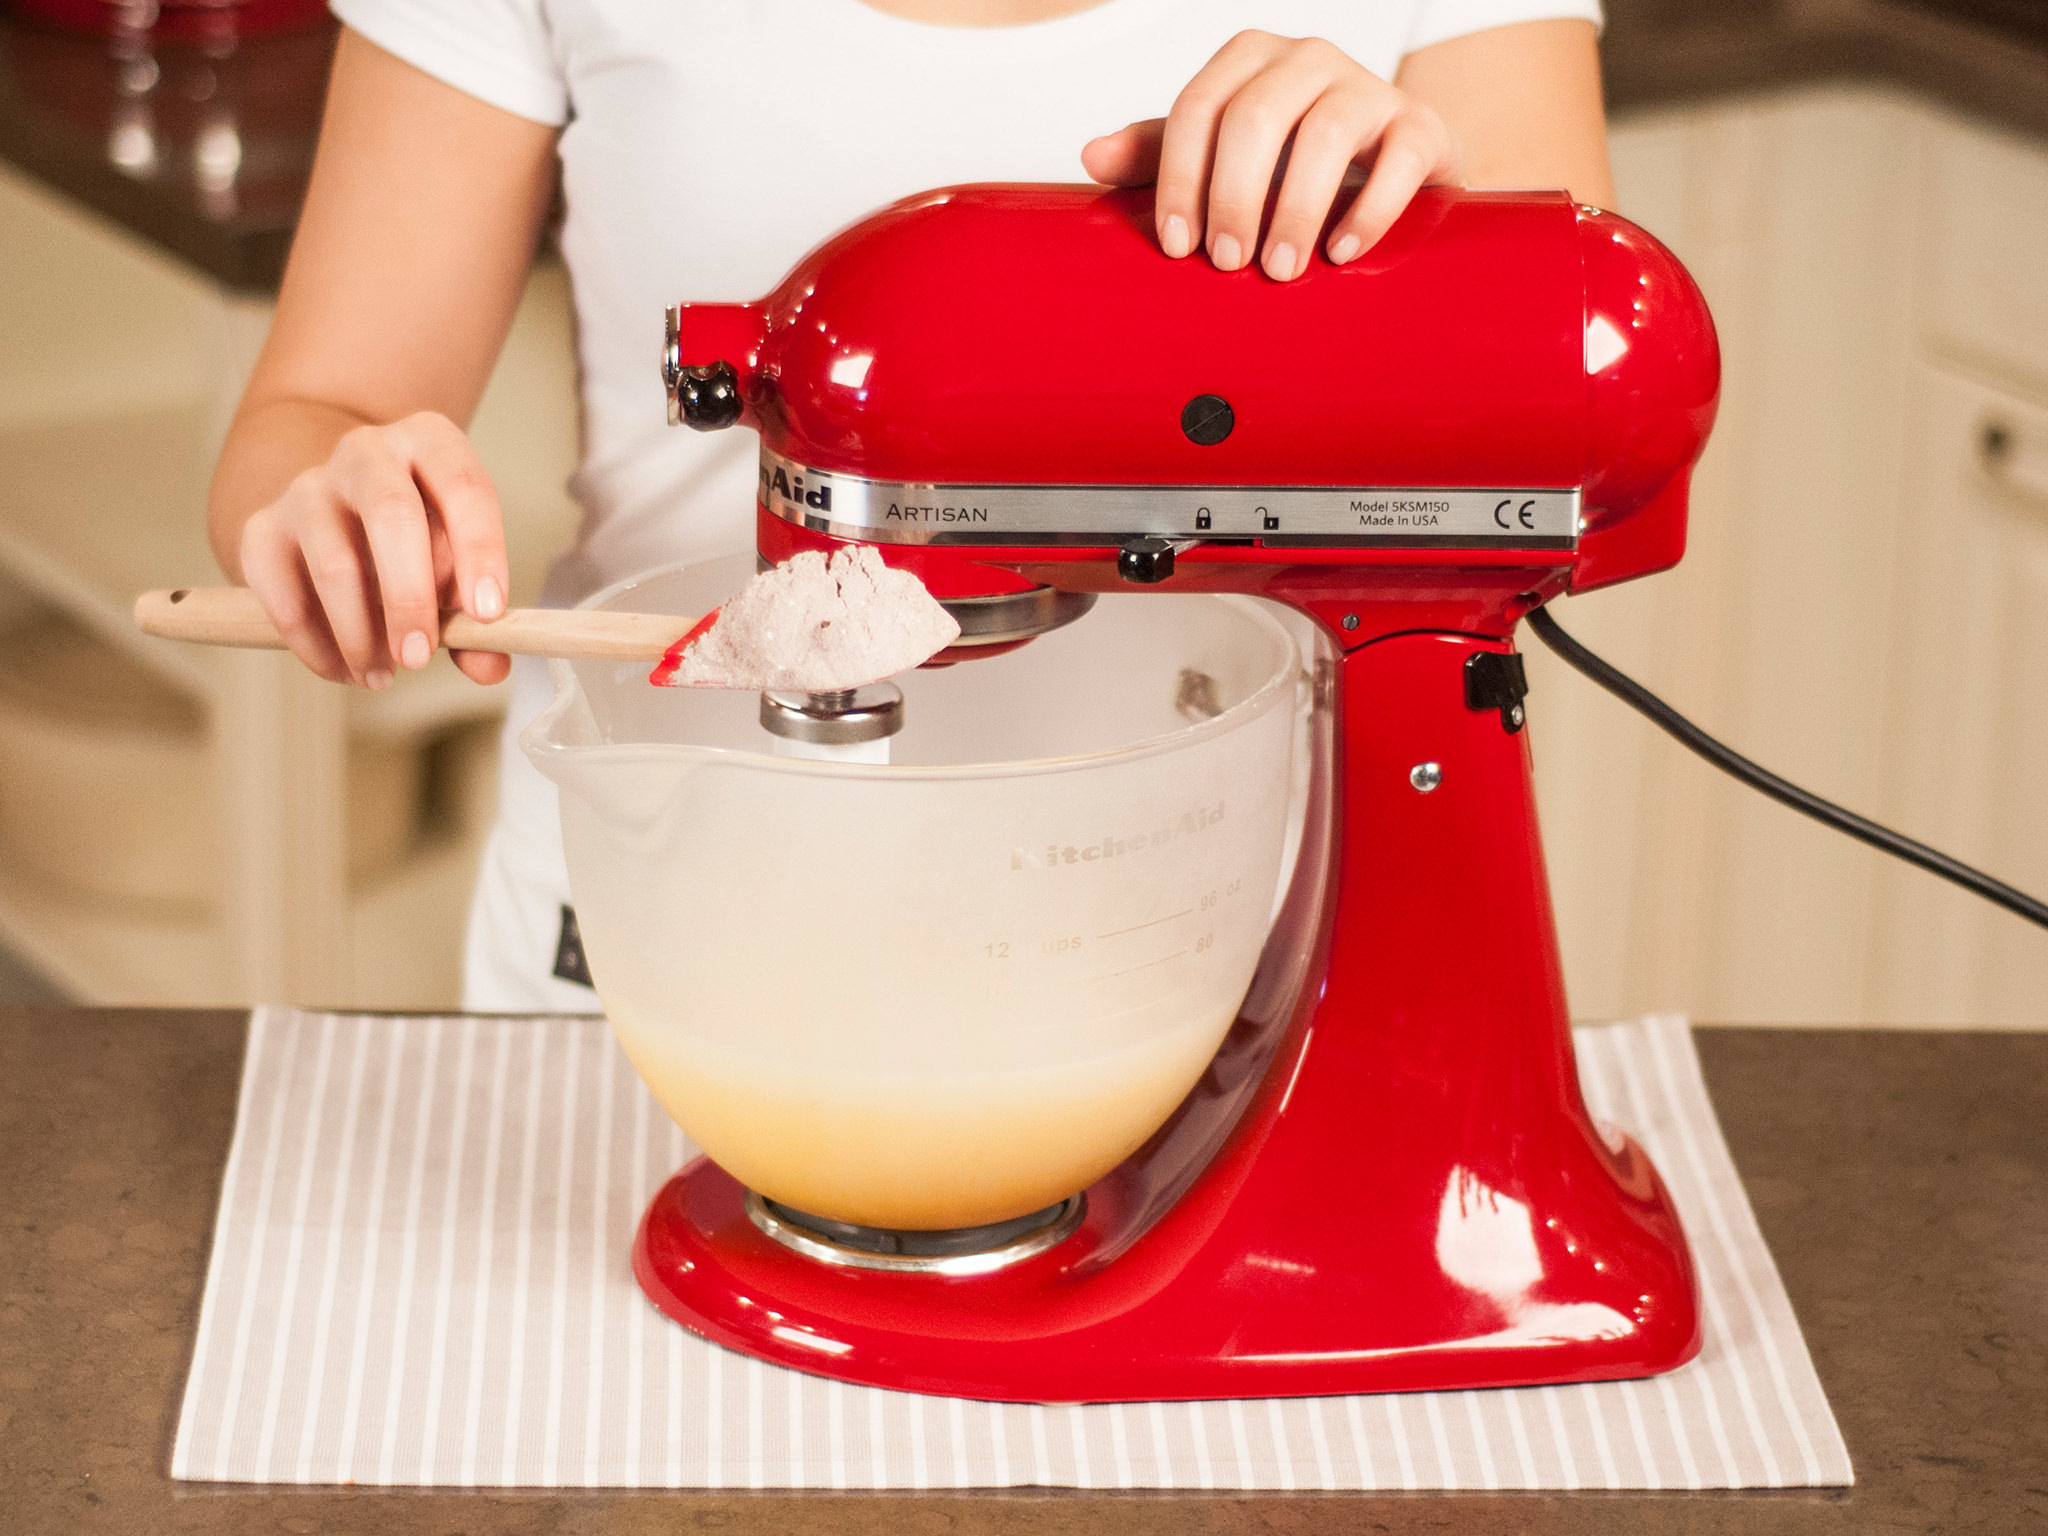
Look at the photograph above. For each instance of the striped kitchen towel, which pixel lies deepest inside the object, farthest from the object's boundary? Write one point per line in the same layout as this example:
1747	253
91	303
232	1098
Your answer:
419	1277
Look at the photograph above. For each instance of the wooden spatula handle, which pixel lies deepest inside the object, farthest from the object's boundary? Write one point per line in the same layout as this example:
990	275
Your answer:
233	616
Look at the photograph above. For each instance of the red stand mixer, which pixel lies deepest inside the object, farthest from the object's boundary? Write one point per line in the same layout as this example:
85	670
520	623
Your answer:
1387	1180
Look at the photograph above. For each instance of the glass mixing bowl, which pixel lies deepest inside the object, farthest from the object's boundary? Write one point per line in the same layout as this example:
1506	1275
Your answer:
957	988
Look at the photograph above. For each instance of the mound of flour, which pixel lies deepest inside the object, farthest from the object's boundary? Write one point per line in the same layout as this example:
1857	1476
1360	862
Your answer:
814	625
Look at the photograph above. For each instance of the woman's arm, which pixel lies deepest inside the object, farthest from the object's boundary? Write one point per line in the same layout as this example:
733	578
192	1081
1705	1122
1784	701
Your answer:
1524	100
1513	106
347	495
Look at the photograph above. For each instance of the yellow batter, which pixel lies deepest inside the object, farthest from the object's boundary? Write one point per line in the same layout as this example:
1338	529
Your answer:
918	1151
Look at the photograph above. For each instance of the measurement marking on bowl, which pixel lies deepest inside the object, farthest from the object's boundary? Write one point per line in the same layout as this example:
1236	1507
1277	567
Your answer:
1120	932
1177	954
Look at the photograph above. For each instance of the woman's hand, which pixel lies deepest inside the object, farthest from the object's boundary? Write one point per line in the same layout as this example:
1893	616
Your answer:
346	495
1263	100
358	559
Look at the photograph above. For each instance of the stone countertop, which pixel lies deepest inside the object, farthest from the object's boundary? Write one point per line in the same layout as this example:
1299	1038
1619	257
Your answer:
202	149
1901	1179
205	151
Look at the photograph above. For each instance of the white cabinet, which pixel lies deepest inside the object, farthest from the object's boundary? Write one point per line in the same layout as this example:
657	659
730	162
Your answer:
1967	709
1847	567
1985	205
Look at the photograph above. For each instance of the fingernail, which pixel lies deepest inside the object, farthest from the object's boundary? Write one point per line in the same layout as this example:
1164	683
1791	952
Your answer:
416	651
489	600
378	680
1173	237
1227	253
1344	248
1280	263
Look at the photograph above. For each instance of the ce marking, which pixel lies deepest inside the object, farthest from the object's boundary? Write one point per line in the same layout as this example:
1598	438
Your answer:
1524	514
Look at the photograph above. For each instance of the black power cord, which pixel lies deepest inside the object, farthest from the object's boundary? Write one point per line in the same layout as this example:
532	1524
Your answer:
1781	790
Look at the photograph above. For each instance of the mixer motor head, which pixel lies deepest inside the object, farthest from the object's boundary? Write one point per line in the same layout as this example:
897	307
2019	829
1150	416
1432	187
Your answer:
1012	392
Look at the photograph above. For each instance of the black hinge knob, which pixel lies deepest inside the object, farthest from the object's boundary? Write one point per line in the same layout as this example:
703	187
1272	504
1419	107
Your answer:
708	397
1145	561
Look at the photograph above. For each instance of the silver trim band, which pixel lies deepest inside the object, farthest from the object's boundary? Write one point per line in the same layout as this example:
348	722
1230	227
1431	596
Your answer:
811	1245
912	512
672	362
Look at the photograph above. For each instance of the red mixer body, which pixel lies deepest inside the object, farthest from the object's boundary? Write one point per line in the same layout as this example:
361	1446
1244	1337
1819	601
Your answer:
1388	1179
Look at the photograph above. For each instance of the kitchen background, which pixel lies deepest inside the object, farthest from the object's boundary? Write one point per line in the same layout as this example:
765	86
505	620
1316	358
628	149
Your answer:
1861	187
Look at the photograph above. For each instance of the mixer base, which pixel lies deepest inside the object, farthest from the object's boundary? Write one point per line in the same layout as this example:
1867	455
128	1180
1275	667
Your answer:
1388	1182
1172	1317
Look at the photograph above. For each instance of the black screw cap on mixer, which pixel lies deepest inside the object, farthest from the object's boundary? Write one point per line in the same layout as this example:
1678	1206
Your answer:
1145	561
1207	420
708	397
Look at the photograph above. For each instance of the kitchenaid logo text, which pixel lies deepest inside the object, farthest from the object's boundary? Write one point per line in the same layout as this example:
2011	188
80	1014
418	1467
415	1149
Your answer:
1400	511
776	483
1052	855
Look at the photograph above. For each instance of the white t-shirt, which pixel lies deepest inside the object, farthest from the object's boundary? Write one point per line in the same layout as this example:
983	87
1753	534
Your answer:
707	146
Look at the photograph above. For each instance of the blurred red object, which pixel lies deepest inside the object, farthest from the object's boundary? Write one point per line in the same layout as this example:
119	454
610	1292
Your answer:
178	20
